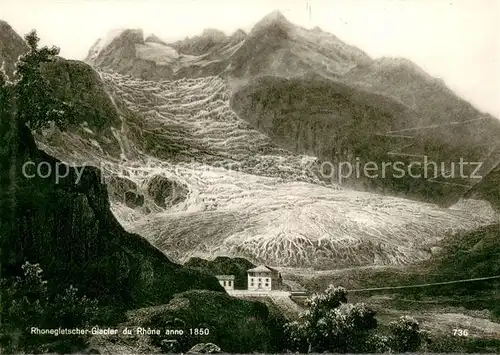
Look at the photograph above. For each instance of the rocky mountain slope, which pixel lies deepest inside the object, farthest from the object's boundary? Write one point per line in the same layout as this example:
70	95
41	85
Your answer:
11	47
237	193
128	51
277	47
324	98
488	188
209	165
302	87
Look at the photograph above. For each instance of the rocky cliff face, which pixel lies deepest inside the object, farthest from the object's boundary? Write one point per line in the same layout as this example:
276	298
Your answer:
72	81
488	188
76	82
150	58
11	47
120	53
199	45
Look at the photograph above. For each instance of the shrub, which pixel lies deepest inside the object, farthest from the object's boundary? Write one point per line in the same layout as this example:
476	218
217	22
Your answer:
377	343
27	303
405	334
331	324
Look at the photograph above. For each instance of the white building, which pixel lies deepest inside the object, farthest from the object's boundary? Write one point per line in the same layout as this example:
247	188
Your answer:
226	281
259	279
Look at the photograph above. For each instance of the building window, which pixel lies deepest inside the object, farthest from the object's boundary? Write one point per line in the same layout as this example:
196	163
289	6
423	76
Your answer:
260	279
267	285
224	283
229	283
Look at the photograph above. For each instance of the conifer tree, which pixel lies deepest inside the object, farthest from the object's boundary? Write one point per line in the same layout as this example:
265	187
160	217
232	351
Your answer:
36	102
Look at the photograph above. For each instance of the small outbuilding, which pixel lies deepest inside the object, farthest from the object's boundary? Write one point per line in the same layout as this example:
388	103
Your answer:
226	281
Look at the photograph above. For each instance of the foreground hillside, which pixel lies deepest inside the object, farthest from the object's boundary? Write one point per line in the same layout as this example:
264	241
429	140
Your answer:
235	325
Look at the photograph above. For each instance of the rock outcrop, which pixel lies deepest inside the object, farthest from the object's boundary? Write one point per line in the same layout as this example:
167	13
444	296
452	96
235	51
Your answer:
11	47
164	192
204	348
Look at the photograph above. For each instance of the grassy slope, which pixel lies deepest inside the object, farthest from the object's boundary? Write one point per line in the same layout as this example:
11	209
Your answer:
338	122
469	255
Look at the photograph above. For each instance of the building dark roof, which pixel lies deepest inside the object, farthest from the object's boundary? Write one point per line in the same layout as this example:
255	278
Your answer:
260	268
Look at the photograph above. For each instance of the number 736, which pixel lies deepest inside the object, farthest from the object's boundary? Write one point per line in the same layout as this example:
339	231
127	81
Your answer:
461	332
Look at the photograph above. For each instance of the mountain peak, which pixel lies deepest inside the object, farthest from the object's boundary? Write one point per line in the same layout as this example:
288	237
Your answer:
213	33
275	15
239	35
122	37
274	20
152	38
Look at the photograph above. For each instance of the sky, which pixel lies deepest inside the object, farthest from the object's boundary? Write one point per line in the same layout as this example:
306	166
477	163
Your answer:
455	40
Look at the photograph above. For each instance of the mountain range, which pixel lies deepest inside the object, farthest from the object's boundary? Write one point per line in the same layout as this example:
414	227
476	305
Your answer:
313	94
213	145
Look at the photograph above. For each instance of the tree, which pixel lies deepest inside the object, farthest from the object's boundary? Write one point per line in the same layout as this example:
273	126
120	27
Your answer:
37	105
4	90
29	296
405	334
71	310
27	303
23	304
376	343
330	299
331	324
3	76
